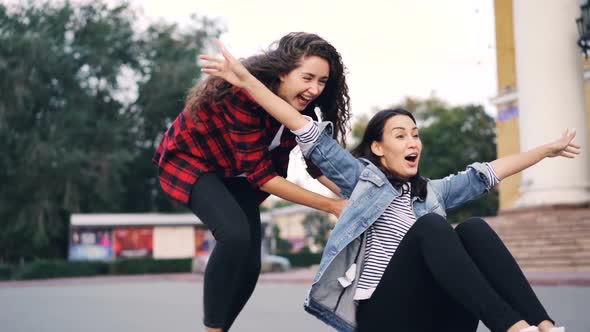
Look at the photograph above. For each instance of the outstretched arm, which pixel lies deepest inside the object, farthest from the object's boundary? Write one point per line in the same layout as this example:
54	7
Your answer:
564	147
231	70
287	190
329	184
235	73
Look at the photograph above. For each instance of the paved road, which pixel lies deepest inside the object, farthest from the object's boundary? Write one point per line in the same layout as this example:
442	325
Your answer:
159	304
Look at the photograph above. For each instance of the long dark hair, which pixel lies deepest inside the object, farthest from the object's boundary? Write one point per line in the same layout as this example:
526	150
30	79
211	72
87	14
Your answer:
374	132
284	56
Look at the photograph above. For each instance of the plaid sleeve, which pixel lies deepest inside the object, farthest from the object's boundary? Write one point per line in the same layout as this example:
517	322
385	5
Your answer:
242	100
253	155
262	173
250	138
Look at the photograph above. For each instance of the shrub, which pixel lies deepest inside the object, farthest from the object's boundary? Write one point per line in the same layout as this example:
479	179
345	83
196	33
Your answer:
148	265
45	269
303	259
5	272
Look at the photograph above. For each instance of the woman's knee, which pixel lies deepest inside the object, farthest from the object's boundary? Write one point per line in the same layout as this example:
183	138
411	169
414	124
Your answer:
235	239
473	227
432	222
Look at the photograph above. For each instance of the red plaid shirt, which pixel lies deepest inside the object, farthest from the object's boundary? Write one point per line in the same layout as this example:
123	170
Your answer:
229	140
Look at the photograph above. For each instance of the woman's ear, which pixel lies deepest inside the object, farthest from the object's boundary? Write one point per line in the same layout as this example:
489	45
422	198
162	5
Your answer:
376	149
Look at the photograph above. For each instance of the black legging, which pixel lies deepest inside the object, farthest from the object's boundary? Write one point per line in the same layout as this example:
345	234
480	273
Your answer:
230	209
445	279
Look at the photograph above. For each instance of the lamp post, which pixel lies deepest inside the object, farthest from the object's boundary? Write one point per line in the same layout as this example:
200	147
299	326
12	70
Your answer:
583	23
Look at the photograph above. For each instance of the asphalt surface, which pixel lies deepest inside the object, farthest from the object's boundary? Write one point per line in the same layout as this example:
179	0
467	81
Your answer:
174	303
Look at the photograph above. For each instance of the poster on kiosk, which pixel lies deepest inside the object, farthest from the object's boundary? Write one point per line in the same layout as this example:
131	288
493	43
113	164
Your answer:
133	242
91	245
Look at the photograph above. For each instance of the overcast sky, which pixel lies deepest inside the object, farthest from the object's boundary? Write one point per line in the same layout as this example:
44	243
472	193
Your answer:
392	48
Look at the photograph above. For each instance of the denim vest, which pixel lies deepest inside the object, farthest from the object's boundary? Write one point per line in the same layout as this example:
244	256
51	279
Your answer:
369	193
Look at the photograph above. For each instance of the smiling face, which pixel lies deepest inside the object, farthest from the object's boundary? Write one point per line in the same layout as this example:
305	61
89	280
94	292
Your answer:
305	83
400	147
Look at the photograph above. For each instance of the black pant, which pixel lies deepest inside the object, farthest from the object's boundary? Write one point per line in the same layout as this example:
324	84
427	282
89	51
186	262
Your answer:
445	279
230	209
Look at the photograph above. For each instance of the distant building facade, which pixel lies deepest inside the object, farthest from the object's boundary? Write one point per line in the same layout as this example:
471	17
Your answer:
543	88
151	235
163	236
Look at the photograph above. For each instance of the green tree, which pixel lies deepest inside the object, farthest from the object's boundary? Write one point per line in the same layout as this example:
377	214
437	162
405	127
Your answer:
317	227
358	128
455	138
61	134
282	246
170	69
71	140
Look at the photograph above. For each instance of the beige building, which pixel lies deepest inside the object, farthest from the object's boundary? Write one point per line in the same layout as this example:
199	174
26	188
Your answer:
104	236
543	88
289	220
165	236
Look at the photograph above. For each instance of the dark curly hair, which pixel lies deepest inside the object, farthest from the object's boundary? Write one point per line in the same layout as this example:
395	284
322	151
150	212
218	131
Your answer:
282	57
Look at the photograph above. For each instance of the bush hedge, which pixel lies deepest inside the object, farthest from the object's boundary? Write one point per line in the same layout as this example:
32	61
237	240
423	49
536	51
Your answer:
46	269
303	259
148	266
5	272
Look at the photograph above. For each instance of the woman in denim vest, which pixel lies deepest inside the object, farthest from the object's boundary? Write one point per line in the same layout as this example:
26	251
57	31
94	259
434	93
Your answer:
435	278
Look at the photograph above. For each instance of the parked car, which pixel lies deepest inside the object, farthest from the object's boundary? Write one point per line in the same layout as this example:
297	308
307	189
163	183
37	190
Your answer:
269	263
274	263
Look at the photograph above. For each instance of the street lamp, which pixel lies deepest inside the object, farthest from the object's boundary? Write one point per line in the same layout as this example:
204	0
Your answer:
583	23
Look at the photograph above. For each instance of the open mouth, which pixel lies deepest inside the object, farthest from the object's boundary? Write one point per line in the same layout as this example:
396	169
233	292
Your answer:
411	157
303	100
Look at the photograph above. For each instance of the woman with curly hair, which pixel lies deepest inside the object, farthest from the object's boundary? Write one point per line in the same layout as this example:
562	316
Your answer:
223	155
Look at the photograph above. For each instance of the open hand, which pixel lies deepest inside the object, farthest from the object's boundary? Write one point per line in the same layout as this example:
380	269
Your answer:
228	67
564	146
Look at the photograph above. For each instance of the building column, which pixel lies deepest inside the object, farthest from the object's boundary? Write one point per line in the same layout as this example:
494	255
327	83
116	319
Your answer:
551	99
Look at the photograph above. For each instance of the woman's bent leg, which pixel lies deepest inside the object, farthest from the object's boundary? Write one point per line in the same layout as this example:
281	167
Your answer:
409	299
500	268
247	199
458	276
404	300
453	316
436	246
215	205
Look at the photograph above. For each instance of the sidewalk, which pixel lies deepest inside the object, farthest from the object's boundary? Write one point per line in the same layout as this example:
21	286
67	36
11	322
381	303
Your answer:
296	276
581	279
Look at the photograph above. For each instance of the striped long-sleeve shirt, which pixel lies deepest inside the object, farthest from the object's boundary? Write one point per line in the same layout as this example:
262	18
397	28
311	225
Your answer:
386	233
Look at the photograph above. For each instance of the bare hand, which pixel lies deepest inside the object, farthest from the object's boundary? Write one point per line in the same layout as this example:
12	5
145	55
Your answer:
338	206
228	67
564	146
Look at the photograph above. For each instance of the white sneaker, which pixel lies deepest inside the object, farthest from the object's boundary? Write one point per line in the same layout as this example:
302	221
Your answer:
557	329
532	329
